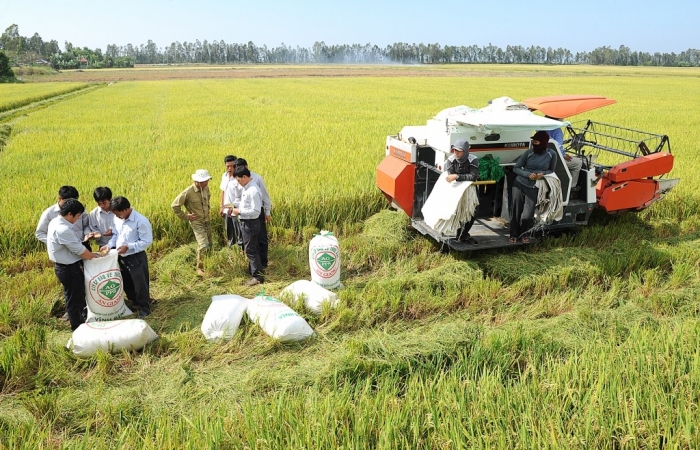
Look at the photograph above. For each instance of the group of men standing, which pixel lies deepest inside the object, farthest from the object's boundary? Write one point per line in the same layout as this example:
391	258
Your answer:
245	206
113	224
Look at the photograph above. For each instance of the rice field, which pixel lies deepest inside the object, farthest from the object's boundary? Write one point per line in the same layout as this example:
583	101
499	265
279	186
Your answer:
316	141
16	95
589	340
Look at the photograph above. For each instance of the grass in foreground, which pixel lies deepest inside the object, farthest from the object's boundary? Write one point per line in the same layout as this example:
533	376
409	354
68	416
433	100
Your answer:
550	347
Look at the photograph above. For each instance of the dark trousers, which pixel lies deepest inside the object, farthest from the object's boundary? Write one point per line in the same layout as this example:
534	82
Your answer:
463	232
262	240
251	244
522	212
72	278
233	231
134	270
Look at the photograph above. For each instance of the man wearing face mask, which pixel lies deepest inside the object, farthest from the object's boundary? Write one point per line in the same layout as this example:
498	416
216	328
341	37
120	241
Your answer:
532	165
462	166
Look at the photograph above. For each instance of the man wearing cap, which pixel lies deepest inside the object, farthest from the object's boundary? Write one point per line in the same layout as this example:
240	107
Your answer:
462	166
195	200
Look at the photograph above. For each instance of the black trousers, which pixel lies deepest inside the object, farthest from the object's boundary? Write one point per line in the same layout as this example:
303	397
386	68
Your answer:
250	229
135	275
522	212
233	231
463	232
72	278
262	240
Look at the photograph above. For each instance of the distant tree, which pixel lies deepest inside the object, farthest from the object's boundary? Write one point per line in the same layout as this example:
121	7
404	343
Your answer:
6	73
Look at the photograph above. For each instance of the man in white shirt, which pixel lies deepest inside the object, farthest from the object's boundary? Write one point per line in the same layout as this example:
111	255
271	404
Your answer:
265	216
101	219
67	252
228	183
132	235
249	211
80	227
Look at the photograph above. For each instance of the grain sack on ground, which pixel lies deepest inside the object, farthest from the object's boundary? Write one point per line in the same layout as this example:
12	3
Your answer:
111	336
324	260
223	316
104	292
278	320
312	294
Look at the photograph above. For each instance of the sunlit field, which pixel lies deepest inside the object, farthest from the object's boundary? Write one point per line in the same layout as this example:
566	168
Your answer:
15	95
589	340
316	141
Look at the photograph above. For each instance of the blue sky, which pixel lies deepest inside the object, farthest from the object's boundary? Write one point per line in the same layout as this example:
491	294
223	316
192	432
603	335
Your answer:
643	25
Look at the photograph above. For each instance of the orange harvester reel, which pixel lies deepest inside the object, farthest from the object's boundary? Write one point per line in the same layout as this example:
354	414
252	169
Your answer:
630	186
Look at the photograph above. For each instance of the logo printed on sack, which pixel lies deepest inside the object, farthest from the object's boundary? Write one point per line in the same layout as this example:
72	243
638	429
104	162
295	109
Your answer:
106	288
325	261
110	289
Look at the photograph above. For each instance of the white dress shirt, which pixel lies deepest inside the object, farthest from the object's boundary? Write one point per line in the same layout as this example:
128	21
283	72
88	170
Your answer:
251	202
101	221
235	192
62	244
135	232
228	186
81	226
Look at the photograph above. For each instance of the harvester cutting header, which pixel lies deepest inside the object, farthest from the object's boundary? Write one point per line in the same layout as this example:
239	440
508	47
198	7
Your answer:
593	165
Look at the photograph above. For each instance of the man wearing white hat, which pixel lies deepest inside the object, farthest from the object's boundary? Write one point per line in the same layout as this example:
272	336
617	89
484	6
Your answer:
195	200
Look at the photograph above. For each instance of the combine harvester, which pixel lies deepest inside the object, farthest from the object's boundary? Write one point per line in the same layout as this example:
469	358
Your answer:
622	168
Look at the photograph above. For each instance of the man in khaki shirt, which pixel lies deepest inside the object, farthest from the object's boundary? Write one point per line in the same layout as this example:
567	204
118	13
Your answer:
195	199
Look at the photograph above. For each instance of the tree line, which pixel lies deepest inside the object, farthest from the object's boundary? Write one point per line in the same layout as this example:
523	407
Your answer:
26	50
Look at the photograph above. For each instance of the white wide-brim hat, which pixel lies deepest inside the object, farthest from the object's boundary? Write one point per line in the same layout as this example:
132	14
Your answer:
201	175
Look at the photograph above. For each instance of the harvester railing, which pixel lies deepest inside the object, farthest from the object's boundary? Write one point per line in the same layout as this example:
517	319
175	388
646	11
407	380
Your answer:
609	145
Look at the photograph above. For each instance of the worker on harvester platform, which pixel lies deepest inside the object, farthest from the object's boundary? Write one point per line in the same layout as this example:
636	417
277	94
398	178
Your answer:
532	165
462	166
574	163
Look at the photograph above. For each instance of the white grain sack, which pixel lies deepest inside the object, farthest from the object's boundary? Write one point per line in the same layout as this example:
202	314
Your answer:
104	292
112	336
223	316
278	320
313	295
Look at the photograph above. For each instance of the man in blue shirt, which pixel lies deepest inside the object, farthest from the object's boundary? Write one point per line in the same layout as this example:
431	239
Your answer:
574	163
132	235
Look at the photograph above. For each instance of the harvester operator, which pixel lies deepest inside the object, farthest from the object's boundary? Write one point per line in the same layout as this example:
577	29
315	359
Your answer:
532	165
